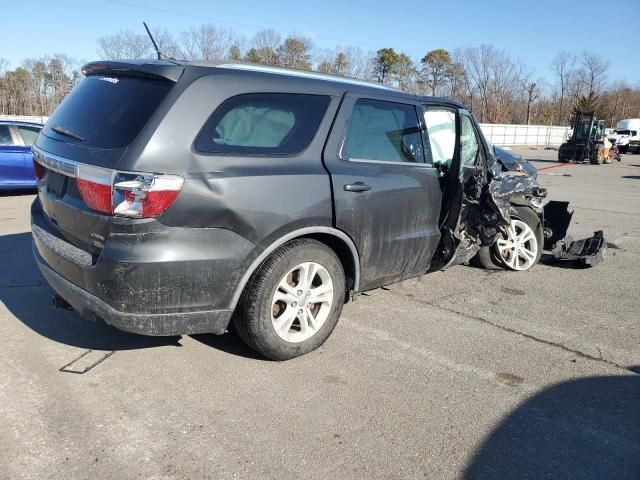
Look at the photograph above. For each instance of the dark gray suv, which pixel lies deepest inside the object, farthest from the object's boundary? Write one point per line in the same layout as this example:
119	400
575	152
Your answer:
177	198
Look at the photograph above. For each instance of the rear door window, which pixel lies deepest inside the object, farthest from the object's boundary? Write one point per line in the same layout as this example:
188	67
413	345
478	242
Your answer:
383	131
108	111
28	134
5	135
263	124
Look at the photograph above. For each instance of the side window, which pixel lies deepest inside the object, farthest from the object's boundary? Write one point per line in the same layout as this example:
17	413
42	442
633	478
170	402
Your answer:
470	151
263	123
440	136
383	131
5	135
29	134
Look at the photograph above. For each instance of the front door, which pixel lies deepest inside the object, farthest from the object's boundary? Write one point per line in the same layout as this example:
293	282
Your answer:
385	188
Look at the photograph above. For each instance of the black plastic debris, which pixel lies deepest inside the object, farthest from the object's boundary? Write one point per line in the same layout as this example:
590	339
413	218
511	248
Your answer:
589	251
557	218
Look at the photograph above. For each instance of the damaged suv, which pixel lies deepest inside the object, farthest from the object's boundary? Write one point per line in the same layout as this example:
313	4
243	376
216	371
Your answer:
179	198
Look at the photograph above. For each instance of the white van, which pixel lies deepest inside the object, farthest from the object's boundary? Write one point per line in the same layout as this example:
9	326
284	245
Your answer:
627	135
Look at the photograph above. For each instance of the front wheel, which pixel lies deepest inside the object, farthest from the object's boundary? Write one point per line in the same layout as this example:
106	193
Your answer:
293	301
520	248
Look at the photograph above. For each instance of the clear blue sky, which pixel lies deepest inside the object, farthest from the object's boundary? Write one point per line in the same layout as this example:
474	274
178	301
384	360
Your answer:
533	31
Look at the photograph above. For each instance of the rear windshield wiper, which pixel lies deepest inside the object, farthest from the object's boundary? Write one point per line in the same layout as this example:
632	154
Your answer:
68	133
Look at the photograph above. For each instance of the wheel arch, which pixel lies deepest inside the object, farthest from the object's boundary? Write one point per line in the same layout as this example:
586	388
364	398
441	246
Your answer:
335	239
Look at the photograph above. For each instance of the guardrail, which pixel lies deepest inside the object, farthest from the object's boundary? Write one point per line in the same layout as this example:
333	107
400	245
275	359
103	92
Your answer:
24	118
540	135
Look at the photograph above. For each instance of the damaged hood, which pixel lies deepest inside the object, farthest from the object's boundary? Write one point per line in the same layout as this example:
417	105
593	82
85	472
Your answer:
513	180
514	162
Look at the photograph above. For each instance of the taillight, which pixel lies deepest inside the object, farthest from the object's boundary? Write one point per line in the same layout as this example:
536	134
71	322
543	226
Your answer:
39	170
144	195
133	195
94	184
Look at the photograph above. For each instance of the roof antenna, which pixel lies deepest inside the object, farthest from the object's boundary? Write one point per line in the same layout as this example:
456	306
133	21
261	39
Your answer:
155	45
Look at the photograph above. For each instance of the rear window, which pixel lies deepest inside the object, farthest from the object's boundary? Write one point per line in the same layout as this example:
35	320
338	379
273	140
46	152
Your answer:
107	111
263	123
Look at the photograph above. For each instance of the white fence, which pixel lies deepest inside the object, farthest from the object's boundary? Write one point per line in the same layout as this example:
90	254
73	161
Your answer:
24	118
500	134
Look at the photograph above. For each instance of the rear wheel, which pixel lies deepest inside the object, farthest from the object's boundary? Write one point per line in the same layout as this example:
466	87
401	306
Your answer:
293	301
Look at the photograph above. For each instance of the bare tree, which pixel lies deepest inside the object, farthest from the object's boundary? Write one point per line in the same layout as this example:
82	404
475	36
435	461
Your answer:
347	61
592	75
125	44
532	92
495	77
267	38
206	42
167	44
564	66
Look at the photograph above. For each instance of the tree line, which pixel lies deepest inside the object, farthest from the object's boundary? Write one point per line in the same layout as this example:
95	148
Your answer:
497	87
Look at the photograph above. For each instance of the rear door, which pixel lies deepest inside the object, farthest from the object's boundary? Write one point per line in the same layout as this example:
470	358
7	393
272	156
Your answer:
386	191
27	134
12	158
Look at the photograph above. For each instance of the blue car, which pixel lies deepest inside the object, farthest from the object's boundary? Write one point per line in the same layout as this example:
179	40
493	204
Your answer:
16	160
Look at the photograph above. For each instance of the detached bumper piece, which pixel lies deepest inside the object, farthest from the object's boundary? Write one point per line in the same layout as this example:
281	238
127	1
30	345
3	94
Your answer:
588	252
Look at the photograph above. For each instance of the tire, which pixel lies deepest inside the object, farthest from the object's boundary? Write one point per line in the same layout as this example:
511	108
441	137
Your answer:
595	159
486	258
490	257
265	304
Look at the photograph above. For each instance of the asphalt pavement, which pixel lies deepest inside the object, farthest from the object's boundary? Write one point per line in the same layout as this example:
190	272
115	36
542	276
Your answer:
466	373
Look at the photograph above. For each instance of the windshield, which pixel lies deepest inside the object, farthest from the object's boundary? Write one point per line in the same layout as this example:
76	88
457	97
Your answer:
107	111
584	130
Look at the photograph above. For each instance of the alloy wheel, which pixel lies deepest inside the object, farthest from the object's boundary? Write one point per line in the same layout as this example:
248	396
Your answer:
519	249
302	302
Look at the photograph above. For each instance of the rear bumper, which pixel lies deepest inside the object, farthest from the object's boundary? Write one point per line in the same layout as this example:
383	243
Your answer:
148	278
158	324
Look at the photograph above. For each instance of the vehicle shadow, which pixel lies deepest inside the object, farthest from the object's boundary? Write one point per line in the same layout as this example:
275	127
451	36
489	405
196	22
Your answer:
550	261
632	177
15	193
587	428
27	296
230	343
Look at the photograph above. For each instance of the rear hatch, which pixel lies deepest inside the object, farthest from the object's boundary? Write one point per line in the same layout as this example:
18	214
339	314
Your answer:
80	147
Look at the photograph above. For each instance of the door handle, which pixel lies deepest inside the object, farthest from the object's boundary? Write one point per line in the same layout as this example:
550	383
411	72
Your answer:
357	187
